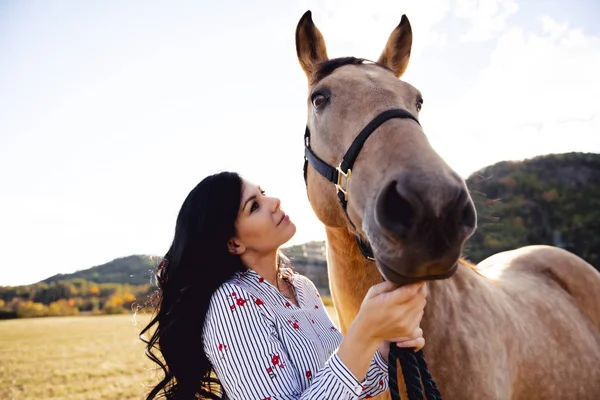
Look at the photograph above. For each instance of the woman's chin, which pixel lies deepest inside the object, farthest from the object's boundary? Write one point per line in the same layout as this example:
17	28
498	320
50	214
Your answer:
289	233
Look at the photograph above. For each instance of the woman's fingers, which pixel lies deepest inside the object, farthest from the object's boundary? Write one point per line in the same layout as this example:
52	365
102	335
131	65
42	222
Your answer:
417	333
415	340
413	311
380	288
417	343
410	292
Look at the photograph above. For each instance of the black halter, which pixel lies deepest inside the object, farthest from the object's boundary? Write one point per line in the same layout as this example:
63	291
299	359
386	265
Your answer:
341	175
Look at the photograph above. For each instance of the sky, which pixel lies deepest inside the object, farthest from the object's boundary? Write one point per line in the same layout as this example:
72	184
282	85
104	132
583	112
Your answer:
111	112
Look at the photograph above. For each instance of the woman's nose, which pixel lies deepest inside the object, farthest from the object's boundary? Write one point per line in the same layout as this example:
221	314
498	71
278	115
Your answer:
276	204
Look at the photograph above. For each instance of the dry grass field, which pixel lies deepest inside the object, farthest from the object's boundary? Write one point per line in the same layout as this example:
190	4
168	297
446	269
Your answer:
75	358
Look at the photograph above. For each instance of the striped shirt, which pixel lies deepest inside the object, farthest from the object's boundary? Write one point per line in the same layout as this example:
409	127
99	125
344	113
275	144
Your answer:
262	346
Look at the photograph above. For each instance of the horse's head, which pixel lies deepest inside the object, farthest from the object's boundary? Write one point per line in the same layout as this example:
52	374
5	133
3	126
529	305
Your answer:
402	198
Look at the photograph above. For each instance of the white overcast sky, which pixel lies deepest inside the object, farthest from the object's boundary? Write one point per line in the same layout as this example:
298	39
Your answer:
111	112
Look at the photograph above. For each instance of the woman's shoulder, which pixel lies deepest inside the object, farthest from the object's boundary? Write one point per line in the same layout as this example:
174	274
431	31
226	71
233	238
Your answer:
227	302
235	293
230	289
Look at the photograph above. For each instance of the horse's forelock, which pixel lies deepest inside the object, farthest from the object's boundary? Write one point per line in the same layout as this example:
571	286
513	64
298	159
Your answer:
327	67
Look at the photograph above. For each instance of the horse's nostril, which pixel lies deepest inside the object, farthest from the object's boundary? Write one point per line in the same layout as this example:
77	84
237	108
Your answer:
394	211
468	218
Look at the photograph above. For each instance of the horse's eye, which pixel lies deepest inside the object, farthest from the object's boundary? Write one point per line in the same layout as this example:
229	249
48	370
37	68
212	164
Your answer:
318	100
419	104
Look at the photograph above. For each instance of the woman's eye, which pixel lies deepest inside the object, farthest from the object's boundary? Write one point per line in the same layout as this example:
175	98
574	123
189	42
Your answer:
318	100
254	207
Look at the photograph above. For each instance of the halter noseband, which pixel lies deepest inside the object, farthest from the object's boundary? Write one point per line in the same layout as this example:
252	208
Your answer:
341	175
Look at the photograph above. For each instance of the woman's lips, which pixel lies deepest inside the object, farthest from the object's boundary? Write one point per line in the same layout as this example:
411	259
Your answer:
284	218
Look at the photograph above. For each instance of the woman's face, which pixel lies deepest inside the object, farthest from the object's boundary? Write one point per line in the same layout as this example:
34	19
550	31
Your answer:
262	226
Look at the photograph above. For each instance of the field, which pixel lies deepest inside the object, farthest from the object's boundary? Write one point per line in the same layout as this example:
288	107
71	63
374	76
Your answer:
75	358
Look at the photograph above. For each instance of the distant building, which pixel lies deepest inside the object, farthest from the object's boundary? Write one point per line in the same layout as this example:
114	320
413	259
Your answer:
314	250
309	259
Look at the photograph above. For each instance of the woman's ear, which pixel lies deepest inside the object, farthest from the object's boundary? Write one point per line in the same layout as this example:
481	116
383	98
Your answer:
234	247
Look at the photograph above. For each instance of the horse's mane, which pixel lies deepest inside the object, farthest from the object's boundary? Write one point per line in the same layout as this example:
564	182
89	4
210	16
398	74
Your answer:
327	67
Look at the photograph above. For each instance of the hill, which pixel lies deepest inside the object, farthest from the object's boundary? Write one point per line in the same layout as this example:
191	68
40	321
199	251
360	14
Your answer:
552	199
134	270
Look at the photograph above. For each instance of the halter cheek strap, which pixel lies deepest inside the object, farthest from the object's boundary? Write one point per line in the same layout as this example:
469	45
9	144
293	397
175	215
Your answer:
341	175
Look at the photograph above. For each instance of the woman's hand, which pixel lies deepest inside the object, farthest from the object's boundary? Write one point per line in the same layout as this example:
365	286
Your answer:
387	312
394	313
415	341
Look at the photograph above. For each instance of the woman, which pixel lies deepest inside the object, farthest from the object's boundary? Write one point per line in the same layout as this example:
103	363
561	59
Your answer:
233	322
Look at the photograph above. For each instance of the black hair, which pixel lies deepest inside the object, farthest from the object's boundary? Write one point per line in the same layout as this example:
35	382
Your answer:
196	264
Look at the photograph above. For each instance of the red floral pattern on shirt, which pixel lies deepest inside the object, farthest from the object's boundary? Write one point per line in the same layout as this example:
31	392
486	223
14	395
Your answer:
222	349
276	362
237	301
294	323
275	359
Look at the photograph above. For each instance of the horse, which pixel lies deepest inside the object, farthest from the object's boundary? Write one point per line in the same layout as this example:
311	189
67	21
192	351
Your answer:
522	324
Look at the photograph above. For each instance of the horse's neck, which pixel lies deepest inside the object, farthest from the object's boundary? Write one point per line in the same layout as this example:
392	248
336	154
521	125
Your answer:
464	292
351	276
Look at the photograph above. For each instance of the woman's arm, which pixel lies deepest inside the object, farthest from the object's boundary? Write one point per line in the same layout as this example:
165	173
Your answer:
376	380
357	349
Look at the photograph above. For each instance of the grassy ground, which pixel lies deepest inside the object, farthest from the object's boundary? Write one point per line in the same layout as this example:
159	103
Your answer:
75	358
88	357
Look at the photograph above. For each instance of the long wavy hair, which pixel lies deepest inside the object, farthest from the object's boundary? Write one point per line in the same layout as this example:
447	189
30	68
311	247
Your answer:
196	264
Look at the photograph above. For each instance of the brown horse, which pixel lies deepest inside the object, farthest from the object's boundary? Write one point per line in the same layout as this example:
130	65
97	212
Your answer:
523	324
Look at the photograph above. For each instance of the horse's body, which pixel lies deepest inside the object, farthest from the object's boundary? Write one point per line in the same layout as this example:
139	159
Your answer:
523	324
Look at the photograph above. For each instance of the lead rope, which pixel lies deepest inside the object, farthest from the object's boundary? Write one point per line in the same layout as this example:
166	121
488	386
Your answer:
414	369
431	390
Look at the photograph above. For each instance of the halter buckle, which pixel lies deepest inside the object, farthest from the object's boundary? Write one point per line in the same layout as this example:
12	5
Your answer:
346	175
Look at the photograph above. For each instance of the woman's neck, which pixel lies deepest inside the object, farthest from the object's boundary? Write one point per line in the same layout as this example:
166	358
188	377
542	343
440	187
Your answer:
264	265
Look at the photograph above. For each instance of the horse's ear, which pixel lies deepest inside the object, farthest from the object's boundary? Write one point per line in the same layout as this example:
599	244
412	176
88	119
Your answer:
310	45
396	54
